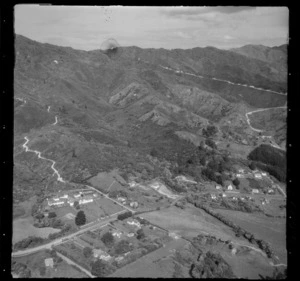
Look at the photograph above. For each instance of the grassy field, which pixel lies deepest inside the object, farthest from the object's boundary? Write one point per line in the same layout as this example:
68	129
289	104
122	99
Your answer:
189	222
272	230
23	228
147	266
65	270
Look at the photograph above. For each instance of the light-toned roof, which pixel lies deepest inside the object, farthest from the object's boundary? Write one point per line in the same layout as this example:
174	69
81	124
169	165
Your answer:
49	262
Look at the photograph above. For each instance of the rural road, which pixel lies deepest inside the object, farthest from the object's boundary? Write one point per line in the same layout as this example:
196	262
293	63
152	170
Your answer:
62	239
259	110
59	178
221	80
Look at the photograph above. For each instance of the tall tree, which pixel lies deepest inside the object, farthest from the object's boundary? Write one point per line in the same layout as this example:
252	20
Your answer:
80	218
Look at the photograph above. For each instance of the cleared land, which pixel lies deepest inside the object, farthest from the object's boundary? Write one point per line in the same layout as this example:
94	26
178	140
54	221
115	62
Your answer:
148	266
190	222
23	228
272	230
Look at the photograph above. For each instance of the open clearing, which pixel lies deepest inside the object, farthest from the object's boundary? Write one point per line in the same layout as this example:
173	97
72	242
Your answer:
190	222
272	230
147	266
23	228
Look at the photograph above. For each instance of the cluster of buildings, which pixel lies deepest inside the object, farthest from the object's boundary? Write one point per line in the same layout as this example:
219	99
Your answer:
123	200
134	222
81	197
102	255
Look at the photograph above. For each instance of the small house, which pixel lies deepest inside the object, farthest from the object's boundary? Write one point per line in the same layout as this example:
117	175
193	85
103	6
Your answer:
255	190
85	200
105	257
97	253
224	195
121	199
213	196
241	171
257	176
270	191
264	174
49	262
229	187
234	198
77	195
65	196
118	259
218	187
134	205
131	234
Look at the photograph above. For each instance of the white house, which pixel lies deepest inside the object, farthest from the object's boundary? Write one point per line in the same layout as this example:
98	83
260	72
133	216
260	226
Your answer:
258	176
131	234
55	61
77	195
134	204
55	198
218	186
264	174
98	252
49	262
105	257
271	191
242	198
65	196
117	233
134	223
85	201
255	190
213	196
121	199
224	195
230	187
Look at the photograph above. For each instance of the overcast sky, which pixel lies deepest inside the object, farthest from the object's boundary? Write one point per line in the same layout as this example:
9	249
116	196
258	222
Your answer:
153	27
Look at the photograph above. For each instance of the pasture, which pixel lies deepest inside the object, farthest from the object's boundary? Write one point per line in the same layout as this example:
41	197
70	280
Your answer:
23	228
272	230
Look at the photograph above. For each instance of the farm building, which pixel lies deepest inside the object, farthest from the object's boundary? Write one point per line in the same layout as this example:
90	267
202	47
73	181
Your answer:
229	187
98	252
131	234
117	233
134	205
241	171
255	190
49	262
121	199
134	222
257	176
85	200
52	202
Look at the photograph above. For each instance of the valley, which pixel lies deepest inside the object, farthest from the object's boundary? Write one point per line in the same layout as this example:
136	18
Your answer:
134	162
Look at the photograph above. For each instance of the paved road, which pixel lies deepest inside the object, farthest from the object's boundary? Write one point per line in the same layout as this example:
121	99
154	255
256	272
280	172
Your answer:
98	224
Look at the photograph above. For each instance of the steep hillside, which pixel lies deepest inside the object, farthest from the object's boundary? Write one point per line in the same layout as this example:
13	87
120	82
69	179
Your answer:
93	111
276	57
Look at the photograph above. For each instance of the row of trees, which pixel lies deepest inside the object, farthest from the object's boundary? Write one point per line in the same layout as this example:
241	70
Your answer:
269	159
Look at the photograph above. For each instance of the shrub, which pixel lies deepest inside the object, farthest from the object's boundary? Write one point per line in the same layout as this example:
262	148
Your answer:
108	239
123	247
87	252
211	143
124	216
99	268
236	182
51	215
80	218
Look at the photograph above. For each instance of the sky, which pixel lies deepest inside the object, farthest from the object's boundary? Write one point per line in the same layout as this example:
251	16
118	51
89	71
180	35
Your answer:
87	27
